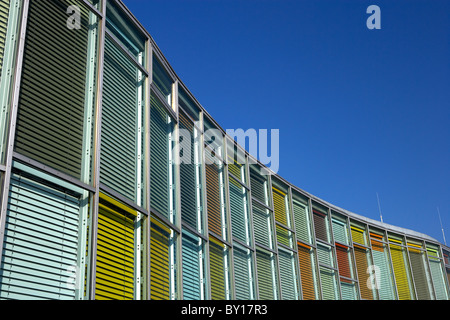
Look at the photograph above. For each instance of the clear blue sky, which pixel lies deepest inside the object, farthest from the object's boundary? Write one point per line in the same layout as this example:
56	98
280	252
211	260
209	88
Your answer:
359	111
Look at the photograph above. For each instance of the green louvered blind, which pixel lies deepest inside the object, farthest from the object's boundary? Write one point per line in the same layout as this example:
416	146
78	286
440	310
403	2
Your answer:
288	275
258	186
162	257
437	274
239	211
267	279
262	225
421	284
302	221
381	259
120	126
243	278
284	236
53	105
192	267
42	235
329	284
161	162
339	231
4	13
189	174
218	255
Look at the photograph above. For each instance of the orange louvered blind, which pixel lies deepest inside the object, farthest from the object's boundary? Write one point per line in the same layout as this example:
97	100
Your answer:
306	272
361	269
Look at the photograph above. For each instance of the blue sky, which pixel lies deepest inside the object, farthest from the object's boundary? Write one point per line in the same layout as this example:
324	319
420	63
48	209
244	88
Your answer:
359	111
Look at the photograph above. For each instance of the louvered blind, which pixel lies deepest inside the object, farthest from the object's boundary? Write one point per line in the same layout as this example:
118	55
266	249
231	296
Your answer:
280	206
437	275
192	267
161	254
215	196
189	174
381	260
348	290
4	13
419	274
42	231
161	166
302	222
243	279
400	272
288	276
342	257
307	271
362	265
324	255
218	255
267	283
329	285
115	251
358	235
320	225
50	123
262	225
284	236
258	187
238	209
339	231
119	149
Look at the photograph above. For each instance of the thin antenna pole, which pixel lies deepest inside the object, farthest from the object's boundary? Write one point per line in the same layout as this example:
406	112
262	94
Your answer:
379	208
442	228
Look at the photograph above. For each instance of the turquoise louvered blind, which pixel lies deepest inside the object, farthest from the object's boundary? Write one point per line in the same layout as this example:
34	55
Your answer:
348	290
302	221
42	235
4	13
161	162
239	211
190	178
267	278
243	279
55	115
381	259
288	277
340	231
121	124
192	267
437	277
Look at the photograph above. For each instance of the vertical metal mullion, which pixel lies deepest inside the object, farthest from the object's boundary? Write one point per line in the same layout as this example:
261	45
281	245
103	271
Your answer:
13	120
96	173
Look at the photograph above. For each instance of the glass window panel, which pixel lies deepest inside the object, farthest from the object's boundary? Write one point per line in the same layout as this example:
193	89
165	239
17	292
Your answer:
162	81
213	137
188	105
236	161
60	140
125	32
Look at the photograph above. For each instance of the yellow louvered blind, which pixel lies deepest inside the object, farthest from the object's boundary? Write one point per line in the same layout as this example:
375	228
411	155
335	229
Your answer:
279	206
358	235
159	261
218	269
400	272
115	251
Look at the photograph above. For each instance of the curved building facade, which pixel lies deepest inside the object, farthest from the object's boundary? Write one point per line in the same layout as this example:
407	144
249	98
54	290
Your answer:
114	184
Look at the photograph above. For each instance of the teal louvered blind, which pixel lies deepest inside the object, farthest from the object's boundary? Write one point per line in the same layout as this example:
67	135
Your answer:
243	273
55	116
262	225
122	124
288	275
4	13
267	275
302	221
42	243
190	177
239	211
162	167
381	260
193	269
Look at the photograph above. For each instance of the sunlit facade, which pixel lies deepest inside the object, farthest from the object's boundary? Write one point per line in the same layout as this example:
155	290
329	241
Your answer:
112	186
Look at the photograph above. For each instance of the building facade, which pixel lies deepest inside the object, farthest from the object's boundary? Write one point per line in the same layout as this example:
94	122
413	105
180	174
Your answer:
116	185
